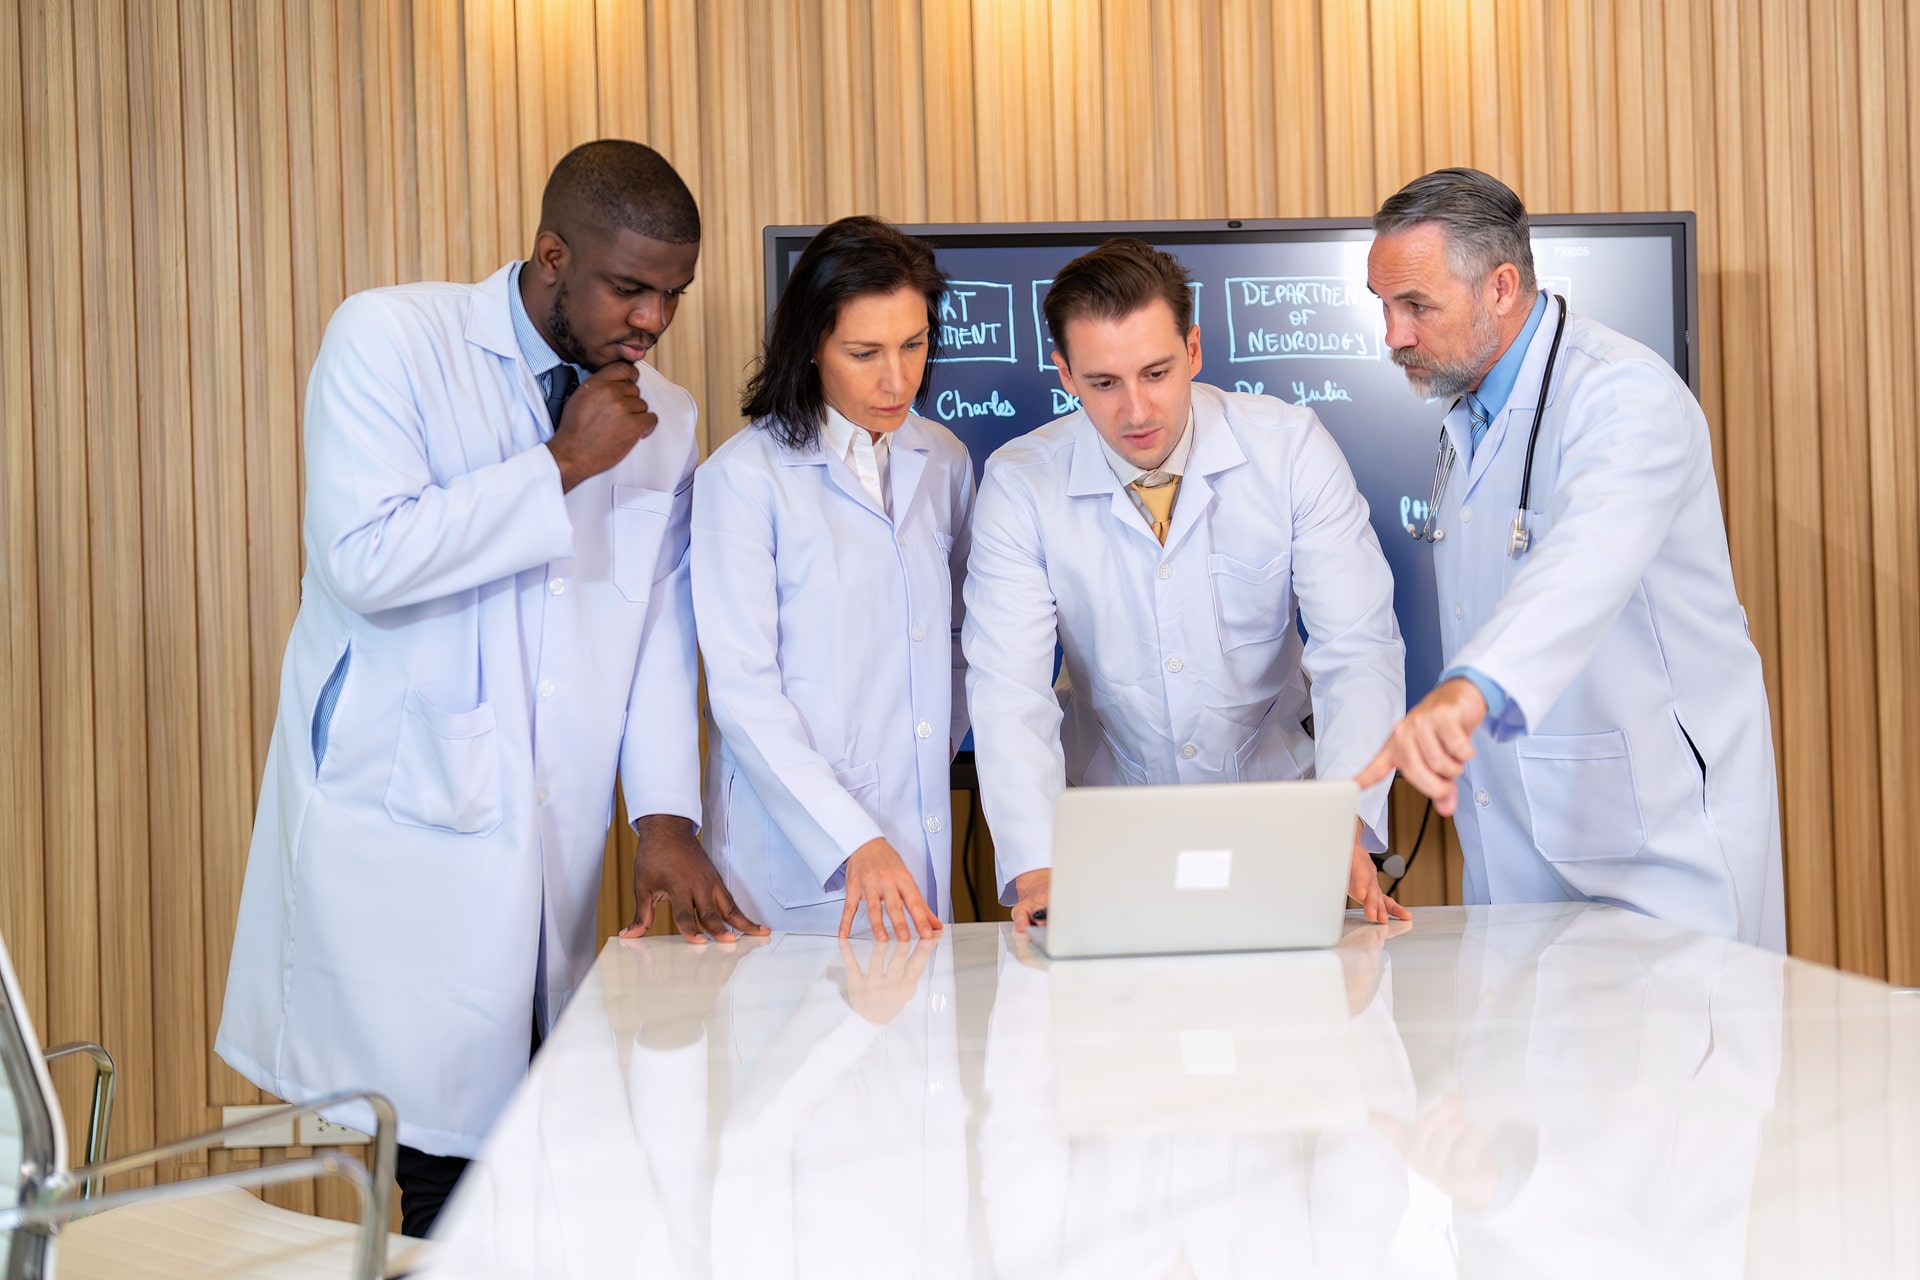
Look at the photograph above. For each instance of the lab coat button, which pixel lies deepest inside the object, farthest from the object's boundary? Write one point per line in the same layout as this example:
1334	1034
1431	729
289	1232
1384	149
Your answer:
558	586
540	796
1166	571
1458	611
919	634
1466	514
1174	664
1189	751
924	729
546	688
934	824
1481	798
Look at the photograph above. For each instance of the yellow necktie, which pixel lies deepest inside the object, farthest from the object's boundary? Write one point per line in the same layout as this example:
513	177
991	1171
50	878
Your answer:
1158	500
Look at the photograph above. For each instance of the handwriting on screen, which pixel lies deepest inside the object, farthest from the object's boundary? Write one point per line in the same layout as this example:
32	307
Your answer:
1302	318
976	322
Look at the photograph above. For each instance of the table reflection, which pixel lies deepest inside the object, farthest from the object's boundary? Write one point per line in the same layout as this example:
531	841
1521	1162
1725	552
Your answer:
1550	1091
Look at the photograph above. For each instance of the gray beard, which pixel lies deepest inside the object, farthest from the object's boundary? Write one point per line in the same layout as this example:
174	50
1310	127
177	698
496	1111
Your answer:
1446	381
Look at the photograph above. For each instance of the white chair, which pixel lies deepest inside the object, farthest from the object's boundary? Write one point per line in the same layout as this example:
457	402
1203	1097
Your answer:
59	1223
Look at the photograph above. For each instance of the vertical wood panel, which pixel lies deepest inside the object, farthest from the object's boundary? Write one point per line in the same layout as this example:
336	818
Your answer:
181	1029
189	187
1807	790
1889	393
23	902
1397	130
1846	512
219	452
118	598
947	54
1127	65
1347	112
1296	130
72	958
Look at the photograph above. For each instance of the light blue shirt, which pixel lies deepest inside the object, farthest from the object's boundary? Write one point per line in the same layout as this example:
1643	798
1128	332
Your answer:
1491	396
541	358
1485	401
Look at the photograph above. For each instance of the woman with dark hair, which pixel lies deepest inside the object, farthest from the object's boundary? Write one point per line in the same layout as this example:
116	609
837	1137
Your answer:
829	546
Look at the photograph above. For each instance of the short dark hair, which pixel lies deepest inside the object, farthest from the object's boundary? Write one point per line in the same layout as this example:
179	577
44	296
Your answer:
1484	221
849	259
1116	280
600	187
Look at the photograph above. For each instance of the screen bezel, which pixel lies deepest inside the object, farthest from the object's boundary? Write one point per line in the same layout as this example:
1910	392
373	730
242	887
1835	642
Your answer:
778	242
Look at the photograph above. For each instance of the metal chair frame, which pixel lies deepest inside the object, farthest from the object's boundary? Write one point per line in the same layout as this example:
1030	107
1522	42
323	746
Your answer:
52	1194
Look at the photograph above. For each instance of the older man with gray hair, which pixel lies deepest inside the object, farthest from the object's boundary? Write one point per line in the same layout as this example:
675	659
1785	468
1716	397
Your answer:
1600	732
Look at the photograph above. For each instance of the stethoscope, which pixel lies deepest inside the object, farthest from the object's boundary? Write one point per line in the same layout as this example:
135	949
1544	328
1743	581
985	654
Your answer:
1521	538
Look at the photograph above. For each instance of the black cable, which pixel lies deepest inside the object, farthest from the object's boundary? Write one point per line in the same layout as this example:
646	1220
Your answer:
1419	838
966	851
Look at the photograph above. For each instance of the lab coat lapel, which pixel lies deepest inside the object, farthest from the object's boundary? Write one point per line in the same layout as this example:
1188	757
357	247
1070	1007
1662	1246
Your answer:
1519	408
1215	449
1089	476
490	327
906	465
838	473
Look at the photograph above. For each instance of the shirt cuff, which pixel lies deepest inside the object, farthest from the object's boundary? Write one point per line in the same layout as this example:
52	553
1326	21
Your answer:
1504	720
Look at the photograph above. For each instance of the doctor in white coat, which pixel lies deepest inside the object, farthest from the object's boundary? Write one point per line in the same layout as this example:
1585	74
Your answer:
1601	730
1164	536
829	542
494	624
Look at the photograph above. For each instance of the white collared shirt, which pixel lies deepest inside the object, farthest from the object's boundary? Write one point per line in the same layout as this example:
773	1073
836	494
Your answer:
861	450
1169	470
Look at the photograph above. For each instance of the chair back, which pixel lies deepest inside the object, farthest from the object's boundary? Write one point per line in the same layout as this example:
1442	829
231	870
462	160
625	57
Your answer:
33	1135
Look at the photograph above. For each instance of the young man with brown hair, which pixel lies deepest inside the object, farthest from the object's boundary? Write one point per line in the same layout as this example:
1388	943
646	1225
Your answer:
1163	536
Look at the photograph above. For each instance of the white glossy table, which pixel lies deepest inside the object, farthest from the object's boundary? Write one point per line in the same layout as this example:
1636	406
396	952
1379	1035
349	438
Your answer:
1518	1091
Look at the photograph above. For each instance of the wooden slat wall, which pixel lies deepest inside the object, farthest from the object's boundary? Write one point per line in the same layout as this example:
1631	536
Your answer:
188	188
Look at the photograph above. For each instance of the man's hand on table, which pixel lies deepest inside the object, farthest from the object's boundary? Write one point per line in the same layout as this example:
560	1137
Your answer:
1030	895
1363	886
671	867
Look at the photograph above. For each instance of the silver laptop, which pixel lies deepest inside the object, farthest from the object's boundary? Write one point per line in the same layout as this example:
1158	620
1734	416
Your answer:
1244	866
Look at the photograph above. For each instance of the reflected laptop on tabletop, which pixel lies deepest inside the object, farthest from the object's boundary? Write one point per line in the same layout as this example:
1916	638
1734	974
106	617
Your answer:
1241	866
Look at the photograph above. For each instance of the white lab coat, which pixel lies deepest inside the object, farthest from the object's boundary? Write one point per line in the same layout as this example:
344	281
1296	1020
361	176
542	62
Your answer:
498	637
1620	641
1185	662
830	635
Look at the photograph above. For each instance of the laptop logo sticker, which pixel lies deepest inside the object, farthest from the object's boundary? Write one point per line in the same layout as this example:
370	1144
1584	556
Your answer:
1203	869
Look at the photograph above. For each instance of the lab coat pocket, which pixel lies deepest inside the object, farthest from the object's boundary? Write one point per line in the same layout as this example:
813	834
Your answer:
639	523
1128	771
788	877
1580	796
1275	751
320	726
446	769
1249	601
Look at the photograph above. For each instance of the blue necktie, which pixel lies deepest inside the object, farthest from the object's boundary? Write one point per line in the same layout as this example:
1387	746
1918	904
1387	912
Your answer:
561	384
1476	412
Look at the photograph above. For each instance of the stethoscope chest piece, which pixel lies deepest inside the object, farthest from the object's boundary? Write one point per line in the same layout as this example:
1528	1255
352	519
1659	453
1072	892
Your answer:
1521	538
